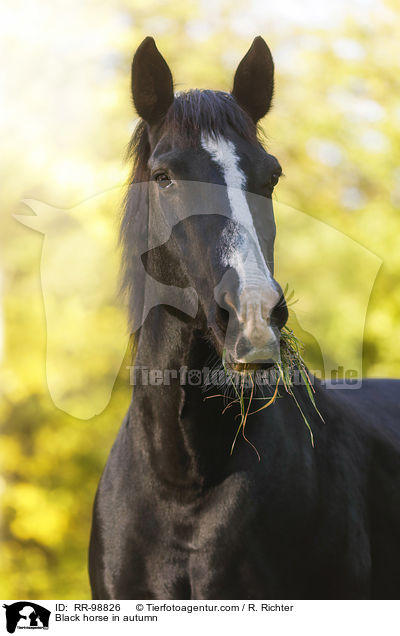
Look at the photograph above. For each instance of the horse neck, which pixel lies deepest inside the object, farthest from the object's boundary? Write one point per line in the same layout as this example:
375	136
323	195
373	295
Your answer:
184	439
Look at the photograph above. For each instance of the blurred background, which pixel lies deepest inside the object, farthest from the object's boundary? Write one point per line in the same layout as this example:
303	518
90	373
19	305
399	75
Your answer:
66	118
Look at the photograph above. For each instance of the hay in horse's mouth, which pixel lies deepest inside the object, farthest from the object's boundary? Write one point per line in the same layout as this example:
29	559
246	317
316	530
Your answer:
291	359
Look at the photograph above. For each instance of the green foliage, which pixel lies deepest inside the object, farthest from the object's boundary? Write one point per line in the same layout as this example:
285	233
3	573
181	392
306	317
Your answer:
335	128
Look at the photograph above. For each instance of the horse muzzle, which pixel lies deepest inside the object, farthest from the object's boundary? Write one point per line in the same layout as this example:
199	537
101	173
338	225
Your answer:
252	334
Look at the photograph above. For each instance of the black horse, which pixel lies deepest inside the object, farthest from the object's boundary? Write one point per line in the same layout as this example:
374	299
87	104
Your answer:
177	516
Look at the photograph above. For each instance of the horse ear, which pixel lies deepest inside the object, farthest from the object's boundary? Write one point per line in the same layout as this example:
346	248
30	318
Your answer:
152	86
253	85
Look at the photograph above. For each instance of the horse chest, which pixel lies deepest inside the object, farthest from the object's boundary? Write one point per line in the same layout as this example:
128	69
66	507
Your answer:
216	544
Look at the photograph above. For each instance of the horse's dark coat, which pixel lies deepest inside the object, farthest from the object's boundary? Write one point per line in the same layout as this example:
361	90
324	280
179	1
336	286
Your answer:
176	516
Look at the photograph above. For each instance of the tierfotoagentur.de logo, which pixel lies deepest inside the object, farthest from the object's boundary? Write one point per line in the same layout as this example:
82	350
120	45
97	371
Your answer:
26	615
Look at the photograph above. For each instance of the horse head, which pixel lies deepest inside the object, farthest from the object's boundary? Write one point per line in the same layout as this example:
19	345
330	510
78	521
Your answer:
210	181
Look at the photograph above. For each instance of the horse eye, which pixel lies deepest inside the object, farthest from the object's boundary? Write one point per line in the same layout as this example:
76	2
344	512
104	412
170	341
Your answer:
275	178
163	180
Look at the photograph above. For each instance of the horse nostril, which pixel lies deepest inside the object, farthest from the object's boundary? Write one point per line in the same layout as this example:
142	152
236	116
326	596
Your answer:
222	318
228	300
226	307
280	313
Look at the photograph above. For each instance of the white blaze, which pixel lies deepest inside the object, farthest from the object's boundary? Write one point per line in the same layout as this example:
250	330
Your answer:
258	294
223	152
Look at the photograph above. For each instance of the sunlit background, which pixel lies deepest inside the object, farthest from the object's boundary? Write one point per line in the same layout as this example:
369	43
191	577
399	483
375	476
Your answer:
66	118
